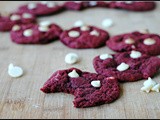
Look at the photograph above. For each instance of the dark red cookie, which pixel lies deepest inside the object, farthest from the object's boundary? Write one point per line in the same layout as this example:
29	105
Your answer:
84	37
35	34
137	66
7	22
41	8
86	95
75	5
133	5
146	43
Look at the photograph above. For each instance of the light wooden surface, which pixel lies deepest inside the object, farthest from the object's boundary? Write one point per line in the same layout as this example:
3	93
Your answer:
21	98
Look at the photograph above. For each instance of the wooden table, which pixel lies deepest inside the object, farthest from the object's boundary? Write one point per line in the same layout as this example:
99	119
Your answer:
21	97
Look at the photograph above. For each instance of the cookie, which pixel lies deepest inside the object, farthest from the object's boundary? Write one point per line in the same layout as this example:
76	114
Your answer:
41	8
89	89
84	37
127	66
7	22
75	5
43	33
145	43
133	5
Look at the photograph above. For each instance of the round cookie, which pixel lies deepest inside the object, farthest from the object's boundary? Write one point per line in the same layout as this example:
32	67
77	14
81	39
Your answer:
146	43
7	22
89	89
35	34
75	5
84	37
133	5
41	8
127	66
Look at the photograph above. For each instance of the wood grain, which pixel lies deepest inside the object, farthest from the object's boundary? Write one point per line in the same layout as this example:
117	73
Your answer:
21	97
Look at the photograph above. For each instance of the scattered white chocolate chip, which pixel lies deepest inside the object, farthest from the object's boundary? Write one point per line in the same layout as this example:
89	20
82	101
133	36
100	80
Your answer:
135	54
96	83
28	32
149	85
156	88
149	41
92	3
78	23
71	58
43	29
31	6
27	15
15	71
85	28
50	4
149	82
74	34
129	41
146	89
45	23
73	74
15	17
16	28
122	67
107	23
105	56
94	32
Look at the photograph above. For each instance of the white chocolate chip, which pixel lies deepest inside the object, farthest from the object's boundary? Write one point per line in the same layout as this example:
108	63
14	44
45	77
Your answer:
149	85
129	41
43	29
27	15
122	67
28	32
156	88
15	17
107	23
92	3
31	6
50	4
146	89
95	33
16	28
73	74
96	83
149	41
45	23
71	58
135	54
15	71
77	1
105	56
78	23
149	82
133	46
74	34
85	28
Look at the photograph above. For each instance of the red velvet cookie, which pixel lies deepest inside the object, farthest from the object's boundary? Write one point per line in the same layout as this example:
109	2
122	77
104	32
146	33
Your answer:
35	34
89	89
75	5
7	22
41	8
146	43
127	66
84	37
133	5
